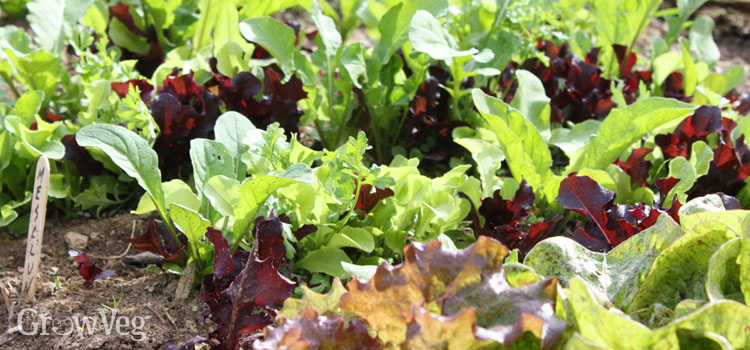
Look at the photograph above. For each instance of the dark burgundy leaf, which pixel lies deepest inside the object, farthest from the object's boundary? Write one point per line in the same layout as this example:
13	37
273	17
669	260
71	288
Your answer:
269	238
52	117
730	203
368	199
636	166
87	268
158	241
184	111
584	195
508	220
247	298
223	264
705	120
146	89
80	157
498	211
591	239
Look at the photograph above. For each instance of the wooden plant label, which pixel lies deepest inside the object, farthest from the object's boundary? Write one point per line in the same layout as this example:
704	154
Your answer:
36	228
185	284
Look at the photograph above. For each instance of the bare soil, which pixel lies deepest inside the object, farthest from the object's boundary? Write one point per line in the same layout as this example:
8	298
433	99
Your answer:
62	296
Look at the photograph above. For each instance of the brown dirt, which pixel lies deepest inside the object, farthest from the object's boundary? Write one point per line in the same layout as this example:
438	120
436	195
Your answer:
145	294
731	33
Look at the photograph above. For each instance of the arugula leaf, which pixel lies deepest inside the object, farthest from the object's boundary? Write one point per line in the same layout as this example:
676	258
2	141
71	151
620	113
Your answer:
532	102
253	193
51	20
278	39
395	24
701	36
428	36
131	153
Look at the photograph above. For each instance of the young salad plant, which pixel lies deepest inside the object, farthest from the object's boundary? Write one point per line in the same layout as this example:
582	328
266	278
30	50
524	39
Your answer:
179	207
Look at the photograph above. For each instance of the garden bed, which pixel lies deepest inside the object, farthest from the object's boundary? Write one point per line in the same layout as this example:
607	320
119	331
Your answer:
377	174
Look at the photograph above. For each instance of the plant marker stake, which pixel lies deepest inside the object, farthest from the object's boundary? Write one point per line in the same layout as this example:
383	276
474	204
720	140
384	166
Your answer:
36	228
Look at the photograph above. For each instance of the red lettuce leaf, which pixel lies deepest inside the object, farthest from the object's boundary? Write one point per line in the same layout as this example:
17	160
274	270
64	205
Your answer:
157	240
636	166
86	165
582	194
508	220
146	89
246	299
88	270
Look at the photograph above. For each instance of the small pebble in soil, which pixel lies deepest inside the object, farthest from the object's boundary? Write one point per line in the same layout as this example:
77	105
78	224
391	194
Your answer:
75	240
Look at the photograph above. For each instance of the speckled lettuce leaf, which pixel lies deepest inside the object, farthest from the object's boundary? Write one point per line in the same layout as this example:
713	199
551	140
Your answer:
616	275
720	324
723	278
712	207
680	271
744	261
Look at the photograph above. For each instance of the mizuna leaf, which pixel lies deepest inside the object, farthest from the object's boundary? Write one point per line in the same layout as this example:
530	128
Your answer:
311	331
526	152
624	126
130	152
452	282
